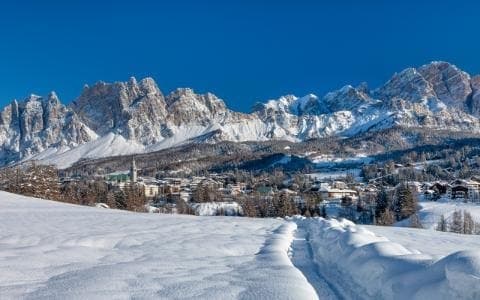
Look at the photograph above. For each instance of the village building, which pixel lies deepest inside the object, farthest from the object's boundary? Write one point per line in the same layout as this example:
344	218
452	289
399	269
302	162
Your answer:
335	191
464	190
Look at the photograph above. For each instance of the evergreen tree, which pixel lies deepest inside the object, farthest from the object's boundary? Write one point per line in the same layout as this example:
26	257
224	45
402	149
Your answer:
383	203
120	200
406	202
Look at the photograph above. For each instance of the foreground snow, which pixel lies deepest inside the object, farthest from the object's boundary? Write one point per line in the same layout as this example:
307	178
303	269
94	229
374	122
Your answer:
362	265
50	250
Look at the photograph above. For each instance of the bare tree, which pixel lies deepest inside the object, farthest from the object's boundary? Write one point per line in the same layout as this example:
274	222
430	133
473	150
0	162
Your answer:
442	224
415	221
456	224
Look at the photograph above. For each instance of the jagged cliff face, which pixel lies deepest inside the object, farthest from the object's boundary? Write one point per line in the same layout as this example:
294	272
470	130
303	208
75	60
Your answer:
185	107
35	124
128	117
133	109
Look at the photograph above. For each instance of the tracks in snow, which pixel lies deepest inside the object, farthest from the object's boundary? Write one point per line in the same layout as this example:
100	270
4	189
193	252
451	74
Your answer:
302	258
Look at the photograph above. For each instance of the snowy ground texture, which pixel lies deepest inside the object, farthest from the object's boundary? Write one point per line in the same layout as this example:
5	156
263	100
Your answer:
51	250
362	265
430	212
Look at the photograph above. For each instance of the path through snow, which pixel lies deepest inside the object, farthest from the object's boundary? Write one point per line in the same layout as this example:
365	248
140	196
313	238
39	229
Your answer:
302	257
360	264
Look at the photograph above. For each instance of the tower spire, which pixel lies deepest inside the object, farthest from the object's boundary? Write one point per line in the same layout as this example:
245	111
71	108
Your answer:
133	171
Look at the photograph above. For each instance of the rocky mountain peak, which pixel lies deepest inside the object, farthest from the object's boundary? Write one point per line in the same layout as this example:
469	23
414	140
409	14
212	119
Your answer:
119	106
437	80
136	116
347	98
148	86
474	100
185	106
408	85
450	84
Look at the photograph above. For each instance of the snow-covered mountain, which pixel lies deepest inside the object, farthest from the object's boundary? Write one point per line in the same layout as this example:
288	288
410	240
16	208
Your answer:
130	117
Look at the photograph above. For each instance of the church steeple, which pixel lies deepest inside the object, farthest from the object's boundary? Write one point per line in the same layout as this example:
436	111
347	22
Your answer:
133	171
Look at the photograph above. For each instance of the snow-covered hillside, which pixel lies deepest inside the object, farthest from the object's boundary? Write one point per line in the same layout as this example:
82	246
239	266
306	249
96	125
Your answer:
436	244
135	117
51	250
430	212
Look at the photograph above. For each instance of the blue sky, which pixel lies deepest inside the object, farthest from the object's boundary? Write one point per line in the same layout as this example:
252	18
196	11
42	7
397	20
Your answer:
243	51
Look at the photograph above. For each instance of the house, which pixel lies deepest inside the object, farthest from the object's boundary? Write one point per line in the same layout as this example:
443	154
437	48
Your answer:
434	191
151	187
464	190
212	183
172	185
414	186
336	194
235	189
117	177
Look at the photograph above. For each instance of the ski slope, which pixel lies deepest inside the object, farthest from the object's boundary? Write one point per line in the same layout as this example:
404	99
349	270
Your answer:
51	250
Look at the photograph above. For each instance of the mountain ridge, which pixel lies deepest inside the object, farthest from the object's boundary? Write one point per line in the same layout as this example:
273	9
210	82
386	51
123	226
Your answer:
136	117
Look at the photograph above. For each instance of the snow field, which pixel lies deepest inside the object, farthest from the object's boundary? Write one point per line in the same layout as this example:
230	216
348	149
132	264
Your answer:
430	212
363	265
436	244
51	250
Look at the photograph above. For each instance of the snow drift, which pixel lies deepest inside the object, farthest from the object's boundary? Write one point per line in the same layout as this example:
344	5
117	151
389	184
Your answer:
365	266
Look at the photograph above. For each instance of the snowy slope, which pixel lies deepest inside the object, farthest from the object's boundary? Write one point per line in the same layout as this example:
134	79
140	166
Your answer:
358	264
108	145
436	244
430	212
50	250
